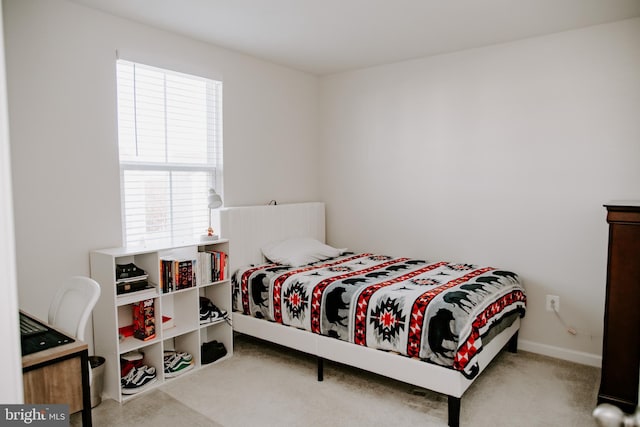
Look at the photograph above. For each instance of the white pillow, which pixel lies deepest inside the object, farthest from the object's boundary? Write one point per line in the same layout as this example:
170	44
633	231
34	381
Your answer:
299	251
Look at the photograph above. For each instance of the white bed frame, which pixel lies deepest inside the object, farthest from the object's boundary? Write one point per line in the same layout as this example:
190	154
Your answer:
249	228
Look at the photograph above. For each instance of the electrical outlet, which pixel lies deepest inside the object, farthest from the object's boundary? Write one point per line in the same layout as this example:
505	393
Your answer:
553	303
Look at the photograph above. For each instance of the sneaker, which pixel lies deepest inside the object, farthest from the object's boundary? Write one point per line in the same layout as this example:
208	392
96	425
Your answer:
209	312
212	351
177	363
130	360
128	377
139	379
172	354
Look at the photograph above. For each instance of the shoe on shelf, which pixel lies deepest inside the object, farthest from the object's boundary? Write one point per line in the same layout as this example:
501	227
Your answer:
212	351
128	376
130	360
209	312
173	354
139	379
176	363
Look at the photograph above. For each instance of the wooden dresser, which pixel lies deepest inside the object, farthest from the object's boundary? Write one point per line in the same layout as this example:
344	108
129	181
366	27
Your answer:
621	344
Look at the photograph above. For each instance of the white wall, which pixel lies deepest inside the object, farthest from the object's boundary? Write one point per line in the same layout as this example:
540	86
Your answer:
501	155
62	104
10	358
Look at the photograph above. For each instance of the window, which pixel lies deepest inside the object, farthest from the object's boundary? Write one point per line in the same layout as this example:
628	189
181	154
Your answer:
170	140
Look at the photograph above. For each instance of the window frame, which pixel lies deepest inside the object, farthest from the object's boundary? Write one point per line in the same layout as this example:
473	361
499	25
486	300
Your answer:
214	151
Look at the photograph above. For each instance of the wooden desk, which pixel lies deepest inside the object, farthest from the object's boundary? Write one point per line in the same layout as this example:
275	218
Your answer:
59	375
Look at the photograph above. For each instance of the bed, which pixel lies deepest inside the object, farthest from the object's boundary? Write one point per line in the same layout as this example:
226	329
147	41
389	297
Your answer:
432	324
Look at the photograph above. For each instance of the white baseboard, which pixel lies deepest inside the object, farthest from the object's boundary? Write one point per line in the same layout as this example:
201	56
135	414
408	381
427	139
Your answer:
561	353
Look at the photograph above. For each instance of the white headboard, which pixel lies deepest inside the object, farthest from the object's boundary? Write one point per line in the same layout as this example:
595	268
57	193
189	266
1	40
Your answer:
248	228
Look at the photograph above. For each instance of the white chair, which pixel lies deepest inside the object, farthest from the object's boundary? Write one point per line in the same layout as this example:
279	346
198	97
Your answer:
72	305
71	308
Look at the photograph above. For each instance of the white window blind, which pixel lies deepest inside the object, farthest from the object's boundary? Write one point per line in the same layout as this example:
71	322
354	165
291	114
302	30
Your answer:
170	140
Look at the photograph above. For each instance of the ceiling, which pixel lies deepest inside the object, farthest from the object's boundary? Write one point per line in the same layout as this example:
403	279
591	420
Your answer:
327	36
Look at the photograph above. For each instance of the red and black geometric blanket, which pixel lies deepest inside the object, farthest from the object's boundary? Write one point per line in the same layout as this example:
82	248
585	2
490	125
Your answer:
435	311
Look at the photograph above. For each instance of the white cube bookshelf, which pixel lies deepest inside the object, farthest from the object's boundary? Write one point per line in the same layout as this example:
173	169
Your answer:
183	333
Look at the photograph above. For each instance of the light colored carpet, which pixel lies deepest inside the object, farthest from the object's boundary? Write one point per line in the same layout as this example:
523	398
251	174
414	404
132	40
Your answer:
267	385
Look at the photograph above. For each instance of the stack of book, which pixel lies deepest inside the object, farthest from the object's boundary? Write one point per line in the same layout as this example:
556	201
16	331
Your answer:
130	278
212	266
177	274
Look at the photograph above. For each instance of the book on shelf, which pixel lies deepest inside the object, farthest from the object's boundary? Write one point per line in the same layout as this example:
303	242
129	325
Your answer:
144	321
186	272
133	279
213	266
129	272
167	323
125	287
177	274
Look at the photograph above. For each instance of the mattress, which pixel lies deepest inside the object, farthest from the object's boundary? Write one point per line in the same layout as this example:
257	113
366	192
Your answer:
438	312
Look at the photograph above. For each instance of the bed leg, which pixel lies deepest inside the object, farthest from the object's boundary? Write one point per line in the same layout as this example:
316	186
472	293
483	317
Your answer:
454	411
320	368
512	345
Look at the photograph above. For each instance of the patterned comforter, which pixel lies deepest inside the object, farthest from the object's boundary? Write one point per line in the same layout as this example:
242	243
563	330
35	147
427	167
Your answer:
435	311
